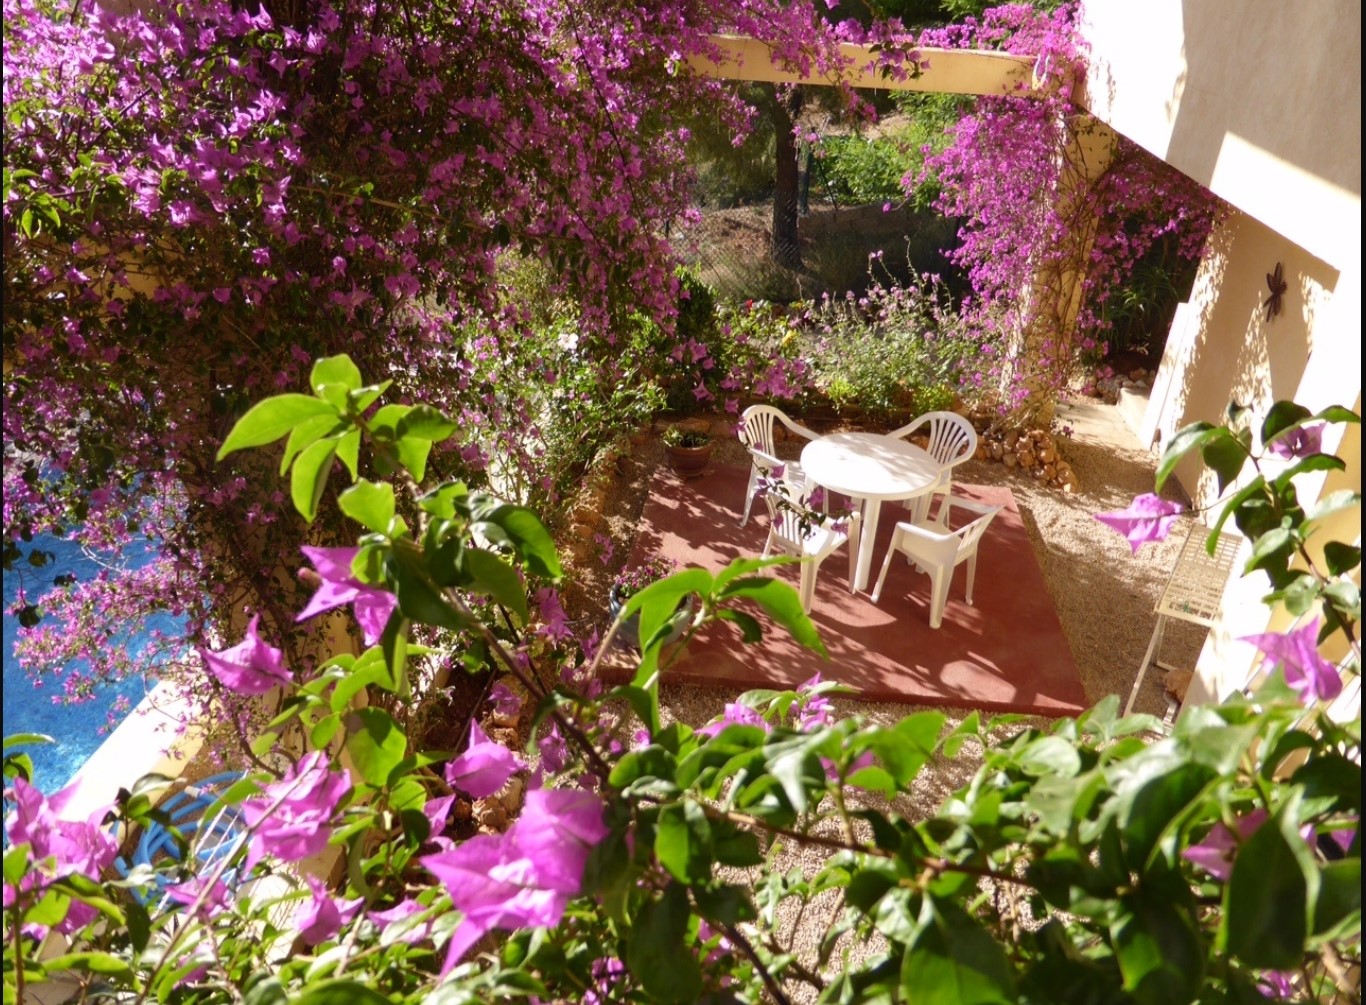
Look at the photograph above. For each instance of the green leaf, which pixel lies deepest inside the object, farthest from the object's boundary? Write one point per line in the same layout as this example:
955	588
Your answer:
498	579
418	599
309	478
348	451
1337	413
309	432
954	961
1341	557
781	602
425	423
1225	456
534	544
91	960
267	421
341	992
1333	502
744	567
1191	437
376	744
655	952
447	501
683	842
1282	417
370	504
19	739
335	370
750	629
1274	548
1346	597
1266	903
412	454
1252	488
1337	911
1160	952
1050	756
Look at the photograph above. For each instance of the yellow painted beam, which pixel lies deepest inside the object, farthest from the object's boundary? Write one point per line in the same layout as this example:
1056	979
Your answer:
956	71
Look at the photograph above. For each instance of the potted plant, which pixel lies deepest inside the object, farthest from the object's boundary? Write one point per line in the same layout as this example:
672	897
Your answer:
688	449
630	581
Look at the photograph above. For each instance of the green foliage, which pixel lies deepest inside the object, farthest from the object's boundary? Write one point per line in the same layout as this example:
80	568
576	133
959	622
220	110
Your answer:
898	350
859	169
678	436
1099	858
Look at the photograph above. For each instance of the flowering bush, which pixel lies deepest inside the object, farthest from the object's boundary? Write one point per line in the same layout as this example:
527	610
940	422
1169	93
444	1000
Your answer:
201	198
634	578
1083	860
1036	213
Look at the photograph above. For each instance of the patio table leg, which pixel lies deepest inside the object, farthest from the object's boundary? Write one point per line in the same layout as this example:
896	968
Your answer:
871	509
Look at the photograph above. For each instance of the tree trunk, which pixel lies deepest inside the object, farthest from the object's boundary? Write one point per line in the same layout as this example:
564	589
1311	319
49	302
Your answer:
786	248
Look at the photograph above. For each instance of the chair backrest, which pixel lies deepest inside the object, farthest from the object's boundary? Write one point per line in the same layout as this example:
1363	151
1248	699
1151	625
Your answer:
756	427
969	534
952	438
787	524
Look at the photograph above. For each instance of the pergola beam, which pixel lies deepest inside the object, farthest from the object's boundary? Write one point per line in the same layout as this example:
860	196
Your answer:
955	71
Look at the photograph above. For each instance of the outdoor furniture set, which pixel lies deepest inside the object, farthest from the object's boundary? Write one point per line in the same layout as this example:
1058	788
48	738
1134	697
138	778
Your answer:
870	469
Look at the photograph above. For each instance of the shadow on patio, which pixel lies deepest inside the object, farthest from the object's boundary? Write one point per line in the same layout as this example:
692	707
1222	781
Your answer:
1006	653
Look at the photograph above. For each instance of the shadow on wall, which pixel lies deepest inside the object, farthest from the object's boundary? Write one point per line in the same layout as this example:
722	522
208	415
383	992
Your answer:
1237	353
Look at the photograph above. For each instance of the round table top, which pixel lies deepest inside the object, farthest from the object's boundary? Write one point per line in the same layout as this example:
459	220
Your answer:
869	466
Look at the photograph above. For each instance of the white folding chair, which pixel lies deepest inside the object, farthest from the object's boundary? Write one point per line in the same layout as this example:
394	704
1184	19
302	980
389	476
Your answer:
1192	593
952	441
812	537
937	550
756	433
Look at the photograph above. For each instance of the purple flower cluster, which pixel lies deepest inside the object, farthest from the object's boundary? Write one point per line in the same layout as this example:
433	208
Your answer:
635	578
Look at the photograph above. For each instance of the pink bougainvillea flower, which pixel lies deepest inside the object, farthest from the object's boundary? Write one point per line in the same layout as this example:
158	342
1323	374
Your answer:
1148	518
1299	442
1215	854
60	848
400	911
505	702
484	766
557	830
197	890
292	818
554	622
1276	985
250	667
1308	673
372	604
524	877
814	710
735	714
323	915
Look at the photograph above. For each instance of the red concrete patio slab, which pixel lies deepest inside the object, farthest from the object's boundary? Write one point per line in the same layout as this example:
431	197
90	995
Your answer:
1006	653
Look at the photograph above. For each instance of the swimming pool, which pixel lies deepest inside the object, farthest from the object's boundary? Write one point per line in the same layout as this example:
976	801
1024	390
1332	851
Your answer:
76	729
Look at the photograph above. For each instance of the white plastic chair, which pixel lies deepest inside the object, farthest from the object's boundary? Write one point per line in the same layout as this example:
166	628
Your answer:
756	433
938	551
813	544
952	441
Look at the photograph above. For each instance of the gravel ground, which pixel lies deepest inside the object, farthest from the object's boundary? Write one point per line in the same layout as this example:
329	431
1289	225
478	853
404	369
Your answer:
1104	597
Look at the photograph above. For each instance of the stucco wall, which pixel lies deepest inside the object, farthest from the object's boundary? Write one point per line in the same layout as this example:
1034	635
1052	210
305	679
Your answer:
1261	103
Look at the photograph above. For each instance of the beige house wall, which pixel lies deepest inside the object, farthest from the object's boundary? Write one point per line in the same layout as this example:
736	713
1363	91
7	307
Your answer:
1261	104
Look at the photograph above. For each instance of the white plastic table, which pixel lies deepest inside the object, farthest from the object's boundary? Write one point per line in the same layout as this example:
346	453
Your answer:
871	467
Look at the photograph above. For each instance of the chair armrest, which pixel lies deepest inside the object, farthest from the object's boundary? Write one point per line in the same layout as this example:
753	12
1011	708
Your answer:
981	509
797	427
925	533
907	429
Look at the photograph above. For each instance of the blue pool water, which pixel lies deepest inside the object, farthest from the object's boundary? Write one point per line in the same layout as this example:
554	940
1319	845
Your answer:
76	729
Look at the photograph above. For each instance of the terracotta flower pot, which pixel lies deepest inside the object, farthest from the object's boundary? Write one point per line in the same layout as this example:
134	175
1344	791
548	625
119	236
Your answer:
689	462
